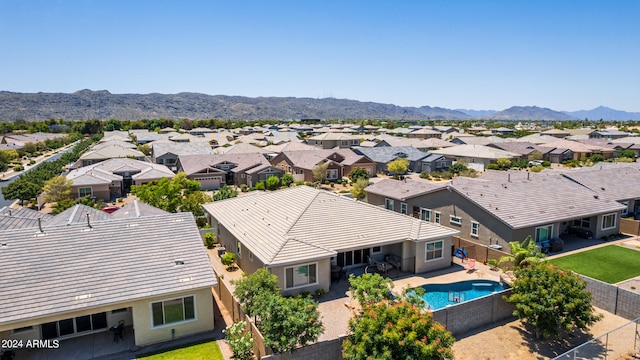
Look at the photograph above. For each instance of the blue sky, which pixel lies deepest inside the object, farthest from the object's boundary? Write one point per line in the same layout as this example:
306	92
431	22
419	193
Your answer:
564	55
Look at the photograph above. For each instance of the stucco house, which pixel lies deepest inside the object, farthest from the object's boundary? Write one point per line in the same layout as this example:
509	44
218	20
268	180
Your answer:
332	140
418	160
74	278
341	161
498	211
302	234
113	178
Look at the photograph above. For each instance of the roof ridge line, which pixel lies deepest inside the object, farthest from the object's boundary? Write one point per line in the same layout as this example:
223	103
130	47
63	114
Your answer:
286	232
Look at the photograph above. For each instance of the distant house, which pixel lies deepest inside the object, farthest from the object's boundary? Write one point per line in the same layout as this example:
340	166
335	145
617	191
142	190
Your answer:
476	156
608	134
213	171
418	160
166	152
113	178
302	234
425	133
491	212
108	151
525	149
341	161
332	140
150	273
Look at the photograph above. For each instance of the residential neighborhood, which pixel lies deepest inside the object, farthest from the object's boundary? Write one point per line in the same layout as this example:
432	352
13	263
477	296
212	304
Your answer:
87	261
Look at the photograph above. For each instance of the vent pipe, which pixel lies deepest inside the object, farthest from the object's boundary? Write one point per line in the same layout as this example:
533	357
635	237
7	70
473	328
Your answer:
88	222
509	177
40	225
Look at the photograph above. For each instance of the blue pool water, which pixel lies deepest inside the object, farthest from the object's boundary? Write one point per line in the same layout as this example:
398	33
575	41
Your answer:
438	296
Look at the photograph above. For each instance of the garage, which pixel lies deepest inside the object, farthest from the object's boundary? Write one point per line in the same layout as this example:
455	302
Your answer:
209	183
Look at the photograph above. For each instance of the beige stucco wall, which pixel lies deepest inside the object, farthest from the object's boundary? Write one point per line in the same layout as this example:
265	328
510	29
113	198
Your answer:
99	191
422	265
144	332
323	274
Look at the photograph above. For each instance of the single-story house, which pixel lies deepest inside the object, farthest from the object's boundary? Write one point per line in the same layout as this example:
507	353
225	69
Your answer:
113	178
341	161
106	152
332	140
213	171
68	280
476	156
418	160
302	235
166	152
492	212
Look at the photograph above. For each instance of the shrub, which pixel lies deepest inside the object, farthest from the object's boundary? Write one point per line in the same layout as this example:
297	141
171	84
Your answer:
18	168
300	183
493	167
333	184
244	187
209	240
425	175
546	163
228	259
286	180
239	340
272	182
320	292
260	185
31	162
358	173
537	168
457	168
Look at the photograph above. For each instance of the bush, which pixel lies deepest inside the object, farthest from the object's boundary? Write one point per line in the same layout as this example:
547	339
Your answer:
244	187
536	168
272	182
3	167
209	240
457	168
300	183
286	180
332	184
493	167
228	259
425	175
18	168
320	292
546	163
31	162
260	185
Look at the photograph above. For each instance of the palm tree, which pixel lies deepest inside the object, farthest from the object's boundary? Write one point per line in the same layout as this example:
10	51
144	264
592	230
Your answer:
523	253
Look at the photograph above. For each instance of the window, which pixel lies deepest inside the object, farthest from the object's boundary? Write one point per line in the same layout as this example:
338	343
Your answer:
239	245
608	221
121	310
584	223
71	326
250	255
625	211
332	174
388	204
403	208
173	311
345	142
425	214
376	249
433	250
475	228
22	330
436	217
86	191
455	220
544	233
300	276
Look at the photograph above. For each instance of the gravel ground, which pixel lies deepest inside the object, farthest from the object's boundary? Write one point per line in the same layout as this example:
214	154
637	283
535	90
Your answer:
512	340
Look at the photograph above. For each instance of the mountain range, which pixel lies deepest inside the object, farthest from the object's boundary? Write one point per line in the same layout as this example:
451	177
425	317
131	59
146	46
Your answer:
88	104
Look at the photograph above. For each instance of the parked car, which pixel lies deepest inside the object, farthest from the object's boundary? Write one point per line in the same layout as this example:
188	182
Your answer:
110	209
581	232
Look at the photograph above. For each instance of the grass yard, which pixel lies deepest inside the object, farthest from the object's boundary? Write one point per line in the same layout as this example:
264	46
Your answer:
207	350
610	264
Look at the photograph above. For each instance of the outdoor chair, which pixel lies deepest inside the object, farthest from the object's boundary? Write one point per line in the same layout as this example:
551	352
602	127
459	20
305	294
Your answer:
471	265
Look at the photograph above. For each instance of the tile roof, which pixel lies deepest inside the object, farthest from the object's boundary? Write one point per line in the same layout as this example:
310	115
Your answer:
476	151
385	154
21	218
521	147
74	267
136	209
402	190
302	224
619	183
576	146
192	164
104	172
188	148
289	146
77	214
111	152
541	200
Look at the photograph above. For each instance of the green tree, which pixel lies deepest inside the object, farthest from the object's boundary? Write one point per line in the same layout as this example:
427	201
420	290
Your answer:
357	190
272	182
553	301
370	288
288	323
398	166
535	155
6	156
286	179
503	163
228	259
396	331
145	149
21	190
320	171
170	194
457	168
225	192
358	173
626	153
57	189
30	148
250	288
596	158
523	253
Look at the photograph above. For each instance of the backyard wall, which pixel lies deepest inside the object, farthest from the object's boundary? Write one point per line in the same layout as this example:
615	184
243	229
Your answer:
477	251
325	350
629	226
613	299
472	314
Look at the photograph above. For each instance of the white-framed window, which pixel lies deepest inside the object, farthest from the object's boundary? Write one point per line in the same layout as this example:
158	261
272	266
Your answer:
298	276
250	255
625	211
376	249
239	246
436	217
332	174
544	233
433	250
608	221
403	208
425	214
85	191
388	204
475	228
172	311
345	142
455	220
583	223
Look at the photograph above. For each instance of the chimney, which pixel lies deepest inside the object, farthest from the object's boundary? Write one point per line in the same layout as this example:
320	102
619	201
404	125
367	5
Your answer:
88	222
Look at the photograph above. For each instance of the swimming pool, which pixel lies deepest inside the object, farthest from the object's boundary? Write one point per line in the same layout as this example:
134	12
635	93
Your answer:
438	296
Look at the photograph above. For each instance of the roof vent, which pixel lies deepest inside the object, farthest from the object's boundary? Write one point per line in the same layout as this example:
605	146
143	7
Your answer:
88	222
3	245
179	262
595	196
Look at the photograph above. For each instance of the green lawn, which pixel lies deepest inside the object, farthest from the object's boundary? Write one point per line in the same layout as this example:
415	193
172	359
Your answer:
207	350
610	264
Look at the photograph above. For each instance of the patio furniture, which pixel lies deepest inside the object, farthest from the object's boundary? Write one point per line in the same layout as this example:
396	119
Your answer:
118	331
471	265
